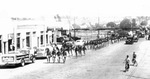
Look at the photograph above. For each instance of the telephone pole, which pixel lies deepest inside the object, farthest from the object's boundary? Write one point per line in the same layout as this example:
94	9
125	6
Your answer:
98	30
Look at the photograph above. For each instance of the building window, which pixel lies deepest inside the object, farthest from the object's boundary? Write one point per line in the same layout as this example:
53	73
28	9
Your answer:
52	37
10	45
0	45
18	43
41	39
18	40
28	39
46	38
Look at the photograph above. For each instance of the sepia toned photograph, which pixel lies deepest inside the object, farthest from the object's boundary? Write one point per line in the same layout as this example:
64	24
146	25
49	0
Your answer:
74	39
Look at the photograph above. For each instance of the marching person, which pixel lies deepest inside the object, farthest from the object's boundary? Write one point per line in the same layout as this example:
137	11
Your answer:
54	55
76	51
84	48
48	55
134	59
64	54
127	63
58	55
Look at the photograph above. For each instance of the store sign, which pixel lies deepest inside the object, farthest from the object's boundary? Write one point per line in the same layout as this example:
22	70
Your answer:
21	19
26	26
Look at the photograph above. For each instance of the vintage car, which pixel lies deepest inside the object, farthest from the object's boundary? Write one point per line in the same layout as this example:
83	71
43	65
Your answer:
141	35
40	52
129	40
135	38
79	42
20	57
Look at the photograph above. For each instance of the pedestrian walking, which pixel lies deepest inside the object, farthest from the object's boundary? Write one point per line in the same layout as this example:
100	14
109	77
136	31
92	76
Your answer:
127	63
134	59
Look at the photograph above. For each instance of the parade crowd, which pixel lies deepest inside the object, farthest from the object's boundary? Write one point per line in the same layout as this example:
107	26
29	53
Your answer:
59	53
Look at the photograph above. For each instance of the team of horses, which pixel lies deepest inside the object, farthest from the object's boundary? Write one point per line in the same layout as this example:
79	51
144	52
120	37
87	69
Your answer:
60	52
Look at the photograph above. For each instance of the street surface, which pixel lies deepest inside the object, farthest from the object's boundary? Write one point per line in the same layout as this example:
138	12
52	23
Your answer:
105	63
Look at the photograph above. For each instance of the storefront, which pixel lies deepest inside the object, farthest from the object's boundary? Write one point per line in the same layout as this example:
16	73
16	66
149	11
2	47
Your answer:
27	34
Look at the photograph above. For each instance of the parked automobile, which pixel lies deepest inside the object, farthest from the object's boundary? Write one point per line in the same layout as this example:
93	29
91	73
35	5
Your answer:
129	40
141	35
79	42
135	38
40	52
20	57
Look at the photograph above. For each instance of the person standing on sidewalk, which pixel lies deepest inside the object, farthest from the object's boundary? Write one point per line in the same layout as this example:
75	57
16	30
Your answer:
134	59
127	63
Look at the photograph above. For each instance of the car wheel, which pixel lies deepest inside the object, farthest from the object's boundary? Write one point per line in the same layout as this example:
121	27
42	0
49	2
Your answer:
22	62
33	60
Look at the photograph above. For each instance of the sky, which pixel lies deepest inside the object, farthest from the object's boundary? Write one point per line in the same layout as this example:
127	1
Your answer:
90	8
105	9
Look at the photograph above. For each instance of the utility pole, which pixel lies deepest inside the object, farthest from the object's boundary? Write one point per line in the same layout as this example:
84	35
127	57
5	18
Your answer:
98	30
69	27
74	28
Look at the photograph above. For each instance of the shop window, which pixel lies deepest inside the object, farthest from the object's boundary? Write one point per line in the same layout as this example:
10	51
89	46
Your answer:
52	37
41	39
28	41
18	43
10	47
4	47
0	46
46	38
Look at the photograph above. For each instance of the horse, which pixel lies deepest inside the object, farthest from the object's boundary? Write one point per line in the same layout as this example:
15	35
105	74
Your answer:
48	53
63	54
68	47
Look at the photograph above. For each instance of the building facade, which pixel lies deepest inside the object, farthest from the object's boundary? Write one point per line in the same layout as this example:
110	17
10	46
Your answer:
21	34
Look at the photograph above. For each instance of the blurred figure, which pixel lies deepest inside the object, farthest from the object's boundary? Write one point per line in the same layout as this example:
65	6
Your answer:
134	59
84	48
48	55
127	63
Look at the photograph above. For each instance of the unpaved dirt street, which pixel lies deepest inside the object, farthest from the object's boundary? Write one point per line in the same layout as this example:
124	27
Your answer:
105	63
